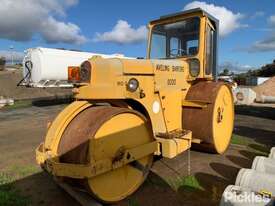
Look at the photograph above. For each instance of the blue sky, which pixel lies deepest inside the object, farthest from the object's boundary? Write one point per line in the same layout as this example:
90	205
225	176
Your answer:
247	40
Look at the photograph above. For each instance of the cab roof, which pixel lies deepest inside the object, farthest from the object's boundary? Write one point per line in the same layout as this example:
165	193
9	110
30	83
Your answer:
190	11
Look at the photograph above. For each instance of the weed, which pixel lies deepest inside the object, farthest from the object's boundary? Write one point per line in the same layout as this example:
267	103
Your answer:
19	171
250	144
240	140
19	104
188	182
9	196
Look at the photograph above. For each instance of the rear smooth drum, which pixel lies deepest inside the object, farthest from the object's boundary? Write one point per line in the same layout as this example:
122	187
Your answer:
213	124
103	132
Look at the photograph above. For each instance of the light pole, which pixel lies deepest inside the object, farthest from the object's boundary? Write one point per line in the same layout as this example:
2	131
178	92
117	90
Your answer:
11	48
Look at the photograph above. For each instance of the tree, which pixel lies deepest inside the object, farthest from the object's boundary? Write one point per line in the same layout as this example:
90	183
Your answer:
225	72
2	63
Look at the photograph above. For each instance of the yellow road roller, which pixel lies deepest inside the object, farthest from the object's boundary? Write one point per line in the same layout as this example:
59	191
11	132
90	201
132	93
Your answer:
128	110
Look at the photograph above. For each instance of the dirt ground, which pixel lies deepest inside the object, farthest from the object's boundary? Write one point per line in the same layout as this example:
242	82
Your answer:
9	88
21	130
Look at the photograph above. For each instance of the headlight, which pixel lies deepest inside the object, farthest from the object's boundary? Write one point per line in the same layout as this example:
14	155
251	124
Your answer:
194	67
85	72
132	85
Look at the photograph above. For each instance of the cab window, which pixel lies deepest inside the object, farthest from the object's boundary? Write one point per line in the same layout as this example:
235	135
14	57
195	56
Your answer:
173	40
209	50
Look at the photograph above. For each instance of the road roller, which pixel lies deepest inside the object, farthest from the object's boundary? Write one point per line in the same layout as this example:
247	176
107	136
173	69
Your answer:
128	110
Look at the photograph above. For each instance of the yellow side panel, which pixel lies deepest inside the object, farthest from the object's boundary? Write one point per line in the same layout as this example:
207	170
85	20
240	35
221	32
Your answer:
171	101
133	66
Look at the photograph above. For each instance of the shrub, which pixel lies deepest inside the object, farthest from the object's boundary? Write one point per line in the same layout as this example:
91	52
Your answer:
2	63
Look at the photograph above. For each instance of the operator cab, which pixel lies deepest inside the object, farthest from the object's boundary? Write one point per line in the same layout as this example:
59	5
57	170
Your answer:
189	35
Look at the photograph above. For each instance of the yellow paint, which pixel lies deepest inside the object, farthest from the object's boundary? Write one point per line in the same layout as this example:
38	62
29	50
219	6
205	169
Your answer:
82	171
122	131
172	147
197	104
172	109
223	117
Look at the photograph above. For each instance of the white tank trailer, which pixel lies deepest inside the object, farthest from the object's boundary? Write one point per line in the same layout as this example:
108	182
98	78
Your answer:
45	67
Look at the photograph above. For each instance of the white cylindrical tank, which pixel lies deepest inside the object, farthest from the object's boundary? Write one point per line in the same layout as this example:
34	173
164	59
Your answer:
272	153
266	99
264	164
240	196
48	67
256	181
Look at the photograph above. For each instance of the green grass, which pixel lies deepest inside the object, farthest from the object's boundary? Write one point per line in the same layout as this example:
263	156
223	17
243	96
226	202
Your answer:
18	171
240	140
260	148
9	195
250	144
155	181
19	104
188	182
132	202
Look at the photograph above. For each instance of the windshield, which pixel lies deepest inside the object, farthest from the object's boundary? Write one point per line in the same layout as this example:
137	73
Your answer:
175	39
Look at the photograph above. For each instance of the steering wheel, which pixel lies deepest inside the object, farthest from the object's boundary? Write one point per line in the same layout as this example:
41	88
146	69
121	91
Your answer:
180	52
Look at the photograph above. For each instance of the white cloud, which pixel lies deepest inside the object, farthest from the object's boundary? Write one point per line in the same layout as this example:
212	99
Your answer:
229	21
267	44
9	55
63	32
123	33
20	21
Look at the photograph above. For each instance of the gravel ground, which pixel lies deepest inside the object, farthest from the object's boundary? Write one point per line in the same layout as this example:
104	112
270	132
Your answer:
23	129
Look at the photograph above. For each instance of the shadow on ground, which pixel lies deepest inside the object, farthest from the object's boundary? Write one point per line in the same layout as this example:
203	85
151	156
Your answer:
39	189
251	154
43	102
260	136
264	112
42	190
154	192
211	190
242	162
